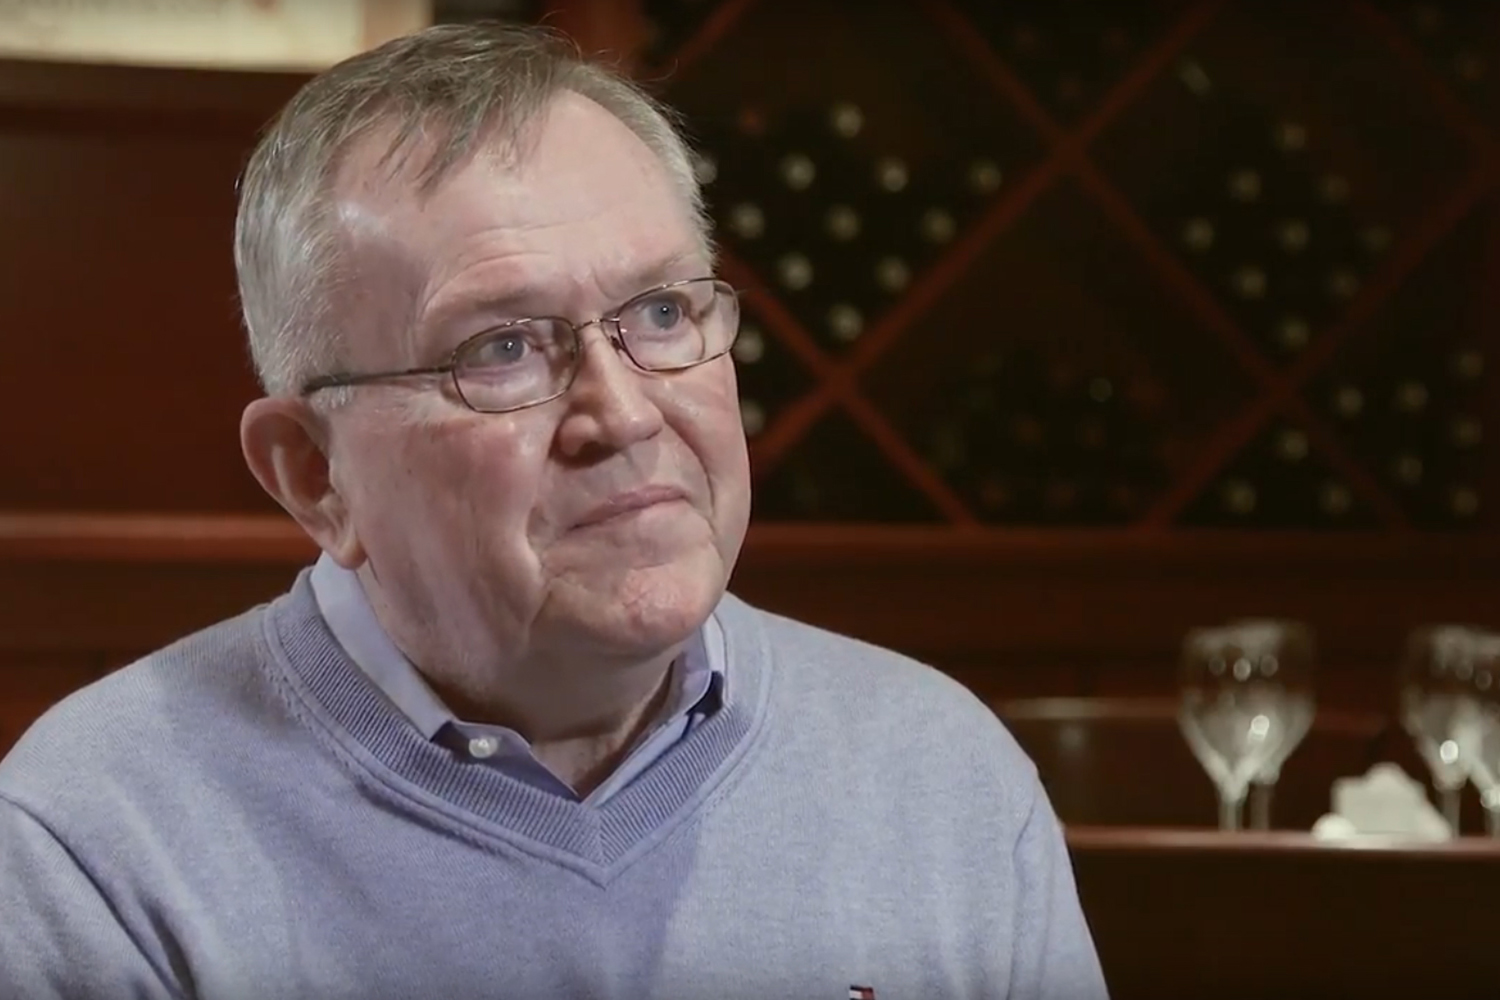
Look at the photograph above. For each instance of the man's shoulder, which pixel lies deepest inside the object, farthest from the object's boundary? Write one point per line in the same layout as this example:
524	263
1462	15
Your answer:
125	718
824	657
876	689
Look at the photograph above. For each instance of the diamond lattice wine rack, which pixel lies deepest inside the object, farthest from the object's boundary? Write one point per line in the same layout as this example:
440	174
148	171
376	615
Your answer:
1081	263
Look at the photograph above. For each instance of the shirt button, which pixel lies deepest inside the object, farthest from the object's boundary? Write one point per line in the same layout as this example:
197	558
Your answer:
483	747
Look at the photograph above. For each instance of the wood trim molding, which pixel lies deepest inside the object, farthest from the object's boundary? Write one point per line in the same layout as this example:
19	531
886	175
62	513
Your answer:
153	538
273	540
1012	613
40	85
1181	841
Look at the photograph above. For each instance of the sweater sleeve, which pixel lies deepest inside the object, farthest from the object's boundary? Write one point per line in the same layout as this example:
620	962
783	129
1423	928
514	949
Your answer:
59	937
1054	956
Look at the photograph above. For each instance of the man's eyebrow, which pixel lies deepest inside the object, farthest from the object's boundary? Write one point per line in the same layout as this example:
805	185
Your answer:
509	302
445	319
663	270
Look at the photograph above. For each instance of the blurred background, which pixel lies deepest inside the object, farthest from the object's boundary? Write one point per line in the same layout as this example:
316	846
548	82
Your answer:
1070	327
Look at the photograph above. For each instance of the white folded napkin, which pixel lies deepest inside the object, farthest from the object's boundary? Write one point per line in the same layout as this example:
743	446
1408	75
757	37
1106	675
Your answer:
1385	803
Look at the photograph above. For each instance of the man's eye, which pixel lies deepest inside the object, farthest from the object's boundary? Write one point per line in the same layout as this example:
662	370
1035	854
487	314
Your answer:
500	351
661	314
664	314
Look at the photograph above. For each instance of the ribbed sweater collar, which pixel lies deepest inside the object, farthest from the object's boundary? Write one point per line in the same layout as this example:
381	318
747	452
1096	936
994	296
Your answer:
595	839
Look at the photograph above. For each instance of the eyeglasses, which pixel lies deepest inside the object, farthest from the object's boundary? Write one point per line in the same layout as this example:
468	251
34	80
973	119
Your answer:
528	362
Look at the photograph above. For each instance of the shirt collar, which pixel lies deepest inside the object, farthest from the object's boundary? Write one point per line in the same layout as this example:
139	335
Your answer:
699	674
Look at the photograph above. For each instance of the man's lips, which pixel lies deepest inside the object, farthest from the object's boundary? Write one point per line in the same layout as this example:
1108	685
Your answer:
629	502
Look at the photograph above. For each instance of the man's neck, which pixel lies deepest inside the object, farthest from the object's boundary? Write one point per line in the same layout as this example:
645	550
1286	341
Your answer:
582	731
584	763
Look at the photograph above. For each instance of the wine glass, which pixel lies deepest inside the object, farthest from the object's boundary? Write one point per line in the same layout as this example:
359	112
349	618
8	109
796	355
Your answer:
1435	680
1478	727
1236	706
1296	652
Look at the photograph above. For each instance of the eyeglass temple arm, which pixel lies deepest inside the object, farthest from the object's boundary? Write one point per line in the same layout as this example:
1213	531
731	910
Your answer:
344	378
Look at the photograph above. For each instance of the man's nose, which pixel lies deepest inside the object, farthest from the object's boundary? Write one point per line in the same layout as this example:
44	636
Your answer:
609	402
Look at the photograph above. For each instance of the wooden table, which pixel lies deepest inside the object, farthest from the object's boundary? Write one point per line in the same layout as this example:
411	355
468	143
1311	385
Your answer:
1277	916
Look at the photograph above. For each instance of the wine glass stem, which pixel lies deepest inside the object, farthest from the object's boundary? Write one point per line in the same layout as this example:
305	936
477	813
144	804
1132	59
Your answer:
1260	804
1492	821
1452	806
1229	811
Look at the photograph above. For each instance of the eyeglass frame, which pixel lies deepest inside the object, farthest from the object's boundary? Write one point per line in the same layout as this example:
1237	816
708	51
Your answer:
609	325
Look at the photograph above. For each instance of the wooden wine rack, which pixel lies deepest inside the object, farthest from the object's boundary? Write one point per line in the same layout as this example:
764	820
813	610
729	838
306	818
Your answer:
691	52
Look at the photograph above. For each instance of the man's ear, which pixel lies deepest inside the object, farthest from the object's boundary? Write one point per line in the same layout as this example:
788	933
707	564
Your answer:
286	446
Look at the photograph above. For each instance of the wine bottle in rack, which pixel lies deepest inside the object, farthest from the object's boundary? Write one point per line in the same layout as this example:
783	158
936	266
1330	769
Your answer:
960	439
817	276
1115	444
855	227
735	159
921	211
1021	434
1327	251
1458	39
1066	53
1101	435
1297	246
953	429
787	175
1347	249
1279	243
1030	437
954	196
1347	403
1213	221
1280	481
1404	440
861	229
768	376
835	473
1412	413
911	225
1058	467
1304	494
1454	441
1264	231
1412	416
930	206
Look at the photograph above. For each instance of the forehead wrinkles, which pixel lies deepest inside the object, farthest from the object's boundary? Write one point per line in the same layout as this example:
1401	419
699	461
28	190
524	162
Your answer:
407	237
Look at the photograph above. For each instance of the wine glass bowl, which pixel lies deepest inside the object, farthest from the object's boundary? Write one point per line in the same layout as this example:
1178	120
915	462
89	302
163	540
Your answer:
1246	702
1301	709
1296	659
1477	727
1437	679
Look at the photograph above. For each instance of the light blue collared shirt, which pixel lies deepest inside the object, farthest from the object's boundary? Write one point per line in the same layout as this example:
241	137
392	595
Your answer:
698	677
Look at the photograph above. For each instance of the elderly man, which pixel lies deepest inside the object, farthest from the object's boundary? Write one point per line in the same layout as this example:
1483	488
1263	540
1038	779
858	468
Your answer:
509	737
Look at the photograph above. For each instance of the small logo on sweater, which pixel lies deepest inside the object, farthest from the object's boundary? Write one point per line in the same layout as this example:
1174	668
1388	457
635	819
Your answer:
861	993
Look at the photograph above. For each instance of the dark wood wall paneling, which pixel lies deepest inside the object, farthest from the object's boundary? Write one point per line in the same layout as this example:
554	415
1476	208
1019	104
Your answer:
125	372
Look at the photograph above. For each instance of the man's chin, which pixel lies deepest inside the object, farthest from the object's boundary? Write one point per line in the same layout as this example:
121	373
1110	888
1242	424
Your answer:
649	609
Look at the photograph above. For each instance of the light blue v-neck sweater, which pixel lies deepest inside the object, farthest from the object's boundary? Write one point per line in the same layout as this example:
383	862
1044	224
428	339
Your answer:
242	815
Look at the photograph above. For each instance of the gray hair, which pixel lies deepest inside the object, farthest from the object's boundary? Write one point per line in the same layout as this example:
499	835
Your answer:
470	85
